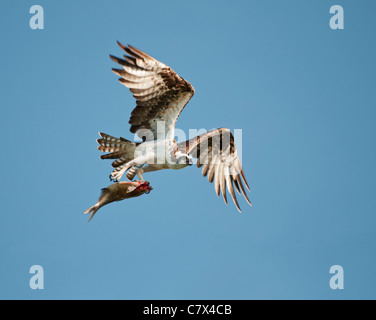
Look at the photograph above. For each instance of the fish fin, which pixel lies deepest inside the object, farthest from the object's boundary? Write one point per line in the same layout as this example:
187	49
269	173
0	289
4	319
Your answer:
103	193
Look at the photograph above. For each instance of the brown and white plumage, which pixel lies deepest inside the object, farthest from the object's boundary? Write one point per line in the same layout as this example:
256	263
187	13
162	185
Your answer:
216	153
161	95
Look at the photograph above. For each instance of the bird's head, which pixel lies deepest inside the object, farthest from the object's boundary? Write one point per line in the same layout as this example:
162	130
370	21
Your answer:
184	159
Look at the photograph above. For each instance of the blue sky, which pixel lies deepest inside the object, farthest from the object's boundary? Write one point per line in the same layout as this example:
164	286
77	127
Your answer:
303	94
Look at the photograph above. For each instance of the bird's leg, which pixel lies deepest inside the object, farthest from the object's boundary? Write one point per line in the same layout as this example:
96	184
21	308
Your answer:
140	173
119	171
133	171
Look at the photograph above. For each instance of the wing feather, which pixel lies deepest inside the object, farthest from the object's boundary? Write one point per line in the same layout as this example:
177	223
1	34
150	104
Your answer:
161	94
217	155
217	179
212	169
230	188
223	185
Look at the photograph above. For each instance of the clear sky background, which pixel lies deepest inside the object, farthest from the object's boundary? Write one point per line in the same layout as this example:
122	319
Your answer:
303	94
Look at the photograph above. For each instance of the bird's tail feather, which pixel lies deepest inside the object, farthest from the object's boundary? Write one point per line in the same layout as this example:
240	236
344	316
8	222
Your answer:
120	149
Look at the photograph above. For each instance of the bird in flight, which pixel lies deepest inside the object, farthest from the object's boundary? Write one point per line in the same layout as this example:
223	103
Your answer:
161	95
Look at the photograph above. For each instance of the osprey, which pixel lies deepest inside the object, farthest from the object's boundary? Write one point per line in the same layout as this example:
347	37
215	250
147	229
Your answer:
161	95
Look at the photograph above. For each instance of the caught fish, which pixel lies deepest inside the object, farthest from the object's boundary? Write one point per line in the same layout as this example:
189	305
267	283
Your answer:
119	191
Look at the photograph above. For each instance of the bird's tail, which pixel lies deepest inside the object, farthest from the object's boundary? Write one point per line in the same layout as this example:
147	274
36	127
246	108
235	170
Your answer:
120	149
92	210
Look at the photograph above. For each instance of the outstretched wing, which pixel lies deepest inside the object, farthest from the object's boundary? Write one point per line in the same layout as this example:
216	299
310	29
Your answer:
217	155
161	94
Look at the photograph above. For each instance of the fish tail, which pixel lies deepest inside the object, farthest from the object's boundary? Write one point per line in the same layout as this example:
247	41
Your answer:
92	210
